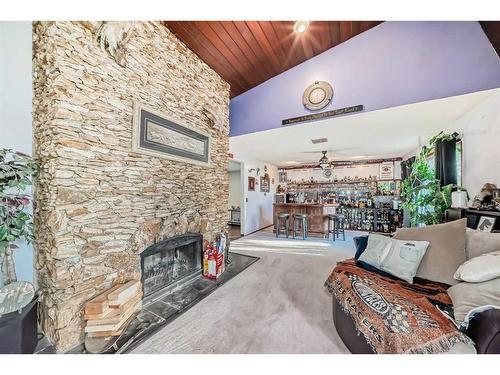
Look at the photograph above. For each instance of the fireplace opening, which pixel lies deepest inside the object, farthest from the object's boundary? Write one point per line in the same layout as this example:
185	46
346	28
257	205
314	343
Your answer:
171	261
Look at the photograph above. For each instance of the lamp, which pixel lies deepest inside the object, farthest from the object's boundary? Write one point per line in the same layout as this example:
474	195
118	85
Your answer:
300	26
324	162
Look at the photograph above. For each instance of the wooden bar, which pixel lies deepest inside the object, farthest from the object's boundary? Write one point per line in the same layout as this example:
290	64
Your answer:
318	222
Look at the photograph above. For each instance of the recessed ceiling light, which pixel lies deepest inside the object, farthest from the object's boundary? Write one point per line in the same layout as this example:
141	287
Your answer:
300	26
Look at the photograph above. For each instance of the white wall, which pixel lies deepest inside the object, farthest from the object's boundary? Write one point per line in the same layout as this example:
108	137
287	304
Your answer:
235	190
481	144
15	109
257	210
480	130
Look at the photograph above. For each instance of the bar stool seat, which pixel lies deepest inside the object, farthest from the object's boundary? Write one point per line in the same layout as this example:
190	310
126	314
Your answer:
336	225
300	219
282	218
332	222
340	226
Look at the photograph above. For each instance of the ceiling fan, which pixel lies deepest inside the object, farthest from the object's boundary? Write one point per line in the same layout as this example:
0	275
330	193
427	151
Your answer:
324	162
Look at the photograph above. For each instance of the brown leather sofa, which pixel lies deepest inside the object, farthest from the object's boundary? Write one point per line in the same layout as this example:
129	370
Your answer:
484	330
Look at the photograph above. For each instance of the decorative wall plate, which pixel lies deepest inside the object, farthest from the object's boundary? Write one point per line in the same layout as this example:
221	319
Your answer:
317	96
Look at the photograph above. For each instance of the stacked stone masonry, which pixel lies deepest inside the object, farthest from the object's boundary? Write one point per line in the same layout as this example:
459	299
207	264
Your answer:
100	204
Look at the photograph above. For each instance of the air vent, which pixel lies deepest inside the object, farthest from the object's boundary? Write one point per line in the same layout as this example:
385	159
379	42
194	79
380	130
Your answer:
319	140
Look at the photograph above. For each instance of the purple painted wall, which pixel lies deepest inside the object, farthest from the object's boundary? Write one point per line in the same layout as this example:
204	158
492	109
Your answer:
393	64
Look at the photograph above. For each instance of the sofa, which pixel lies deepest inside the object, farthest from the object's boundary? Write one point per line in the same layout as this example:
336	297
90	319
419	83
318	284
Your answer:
484	330
480	334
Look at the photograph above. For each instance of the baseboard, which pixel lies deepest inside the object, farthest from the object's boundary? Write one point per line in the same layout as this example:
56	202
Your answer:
258	230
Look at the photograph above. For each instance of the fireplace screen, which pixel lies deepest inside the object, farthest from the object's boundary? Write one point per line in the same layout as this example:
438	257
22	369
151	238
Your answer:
170	261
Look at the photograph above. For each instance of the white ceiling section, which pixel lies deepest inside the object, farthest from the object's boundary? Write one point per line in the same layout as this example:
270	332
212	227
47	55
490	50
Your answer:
386	133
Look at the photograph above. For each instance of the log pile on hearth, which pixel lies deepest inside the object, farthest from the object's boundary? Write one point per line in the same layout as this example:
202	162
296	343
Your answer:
110	313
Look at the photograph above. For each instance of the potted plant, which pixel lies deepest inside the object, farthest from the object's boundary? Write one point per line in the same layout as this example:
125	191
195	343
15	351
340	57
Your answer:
18	315
423	196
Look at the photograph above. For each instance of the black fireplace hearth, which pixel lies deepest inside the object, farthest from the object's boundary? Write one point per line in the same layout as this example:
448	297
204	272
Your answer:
171	262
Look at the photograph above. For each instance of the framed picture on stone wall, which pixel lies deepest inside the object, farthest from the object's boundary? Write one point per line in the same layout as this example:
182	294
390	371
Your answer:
158	134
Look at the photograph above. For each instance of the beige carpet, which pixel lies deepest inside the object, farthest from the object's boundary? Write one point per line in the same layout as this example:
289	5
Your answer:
277	305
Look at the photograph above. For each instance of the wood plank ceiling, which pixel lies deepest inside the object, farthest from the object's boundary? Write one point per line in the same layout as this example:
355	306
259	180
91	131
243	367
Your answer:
247	53
492	31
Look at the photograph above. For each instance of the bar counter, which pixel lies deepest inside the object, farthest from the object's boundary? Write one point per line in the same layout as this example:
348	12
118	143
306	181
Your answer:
316	214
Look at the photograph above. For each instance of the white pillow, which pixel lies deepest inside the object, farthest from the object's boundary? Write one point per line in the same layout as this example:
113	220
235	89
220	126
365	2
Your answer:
482	268
397	257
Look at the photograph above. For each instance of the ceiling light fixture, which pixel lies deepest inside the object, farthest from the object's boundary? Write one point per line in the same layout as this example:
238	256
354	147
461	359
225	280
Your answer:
324	163
300	26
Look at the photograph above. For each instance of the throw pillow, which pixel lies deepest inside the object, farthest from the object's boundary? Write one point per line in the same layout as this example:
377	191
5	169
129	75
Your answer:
398	258
478	243
469	298
445	253
482	268
360	243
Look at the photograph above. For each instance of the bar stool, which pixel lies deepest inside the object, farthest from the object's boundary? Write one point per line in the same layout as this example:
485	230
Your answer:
302	220
332	225
279	218
340	226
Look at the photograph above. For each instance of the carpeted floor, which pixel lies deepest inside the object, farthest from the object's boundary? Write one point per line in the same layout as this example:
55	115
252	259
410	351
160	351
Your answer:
277	305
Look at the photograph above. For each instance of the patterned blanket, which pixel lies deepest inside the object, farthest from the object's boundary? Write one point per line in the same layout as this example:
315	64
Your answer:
394	316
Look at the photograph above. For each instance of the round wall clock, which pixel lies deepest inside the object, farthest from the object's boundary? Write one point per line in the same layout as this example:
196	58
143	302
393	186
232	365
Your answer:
317	96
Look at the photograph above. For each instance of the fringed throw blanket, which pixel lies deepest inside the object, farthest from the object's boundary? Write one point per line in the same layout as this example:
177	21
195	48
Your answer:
394	316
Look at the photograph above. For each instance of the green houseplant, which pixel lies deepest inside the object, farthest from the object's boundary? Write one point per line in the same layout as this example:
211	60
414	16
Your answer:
16	171
423	196
18	312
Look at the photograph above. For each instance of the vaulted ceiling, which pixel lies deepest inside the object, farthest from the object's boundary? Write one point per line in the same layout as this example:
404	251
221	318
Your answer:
247	53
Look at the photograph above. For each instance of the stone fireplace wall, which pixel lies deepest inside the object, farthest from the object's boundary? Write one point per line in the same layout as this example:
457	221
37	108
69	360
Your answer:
100	204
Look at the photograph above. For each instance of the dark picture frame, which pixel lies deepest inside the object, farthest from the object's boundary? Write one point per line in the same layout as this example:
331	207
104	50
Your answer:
158	134
486	223
251	183
265	183
282	177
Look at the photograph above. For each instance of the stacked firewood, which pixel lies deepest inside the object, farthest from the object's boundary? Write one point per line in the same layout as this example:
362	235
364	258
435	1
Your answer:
110	313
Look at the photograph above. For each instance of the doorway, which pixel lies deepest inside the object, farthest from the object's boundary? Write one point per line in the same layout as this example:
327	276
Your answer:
235	202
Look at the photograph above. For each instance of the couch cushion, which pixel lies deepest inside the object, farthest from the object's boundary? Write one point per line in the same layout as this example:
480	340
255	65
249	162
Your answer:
473	297
478	243
446	251
360	242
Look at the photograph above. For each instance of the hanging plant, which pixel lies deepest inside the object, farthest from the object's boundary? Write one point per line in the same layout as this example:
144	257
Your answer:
16	173
423	196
